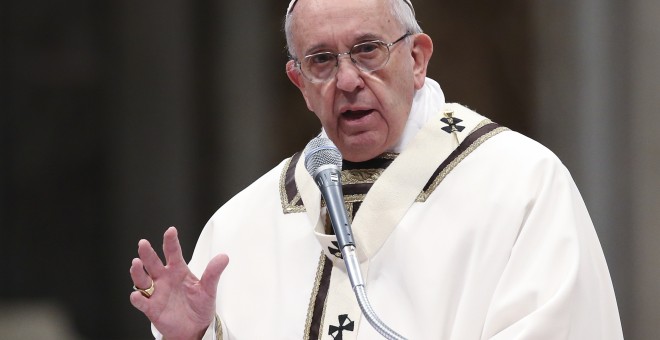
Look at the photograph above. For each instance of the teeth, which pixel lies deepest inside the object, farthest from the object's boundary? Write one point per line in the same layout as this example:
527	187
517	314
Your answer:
356	111
356	114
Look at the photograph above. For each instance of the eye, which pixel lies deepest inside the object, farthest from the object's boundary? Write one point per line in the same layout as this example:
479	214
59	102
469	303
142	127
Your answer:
366	48
320	58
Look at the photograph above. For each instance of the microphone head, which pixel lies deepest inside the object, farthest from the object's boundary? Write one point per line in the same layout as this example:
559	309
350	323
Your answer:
321	151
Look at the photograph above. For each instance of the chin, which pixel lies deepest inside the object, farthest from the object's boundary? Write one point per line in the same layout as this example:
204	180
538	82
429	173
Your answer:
362	147
361	153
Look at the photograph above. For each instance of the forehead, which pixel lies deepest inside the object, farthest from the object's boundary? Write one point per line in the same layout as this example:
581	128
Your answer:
338	23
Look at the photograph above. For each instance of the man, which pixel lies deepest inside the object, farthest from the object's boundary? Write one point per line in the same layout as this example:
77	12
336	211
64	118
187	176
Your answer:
468	230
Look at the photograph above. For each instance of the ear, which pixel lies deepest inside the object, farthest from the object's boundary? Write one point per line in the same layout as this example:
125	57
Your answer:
297	79
421	53
294	74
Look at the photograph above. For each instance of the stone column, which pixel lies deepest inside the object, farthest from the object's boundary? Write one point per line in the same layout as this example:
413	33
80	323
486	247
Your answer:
151	152
582	114
247	66
644	168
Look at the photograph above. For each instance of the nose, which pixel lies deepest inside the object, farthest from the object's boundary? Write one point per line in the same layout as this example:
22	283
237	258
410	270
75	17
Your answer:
349	77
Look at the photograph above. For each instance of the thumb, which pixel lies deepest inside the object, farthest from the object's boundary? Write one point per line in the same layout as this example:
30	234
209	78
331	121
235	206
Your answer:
211	276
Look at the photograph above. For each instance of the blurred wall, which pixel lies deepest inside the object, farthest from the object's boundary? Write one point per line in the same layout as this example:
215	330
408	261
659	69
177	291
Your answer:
120	118
582	100
643	172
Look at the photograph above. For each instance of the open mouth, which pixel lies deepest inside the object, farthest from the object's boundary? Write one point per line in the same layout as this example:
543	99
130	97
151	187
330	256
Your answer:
355	115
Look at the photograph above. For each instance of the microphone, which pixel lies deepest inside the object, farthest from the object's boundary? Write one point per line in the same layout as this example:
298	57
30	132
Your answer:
323	162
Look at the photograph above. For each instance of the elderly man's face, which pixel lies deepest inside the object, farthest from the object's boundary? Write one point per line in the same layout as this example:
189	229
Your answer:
363	113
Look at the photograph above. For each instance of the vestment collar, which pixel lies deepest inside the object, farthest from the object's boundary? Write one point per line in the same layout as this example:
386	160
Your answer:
427	102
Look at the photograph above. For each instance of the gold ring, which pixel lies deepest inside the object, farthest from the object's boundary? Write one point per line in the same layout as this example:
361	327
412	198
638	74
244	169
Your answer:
146	292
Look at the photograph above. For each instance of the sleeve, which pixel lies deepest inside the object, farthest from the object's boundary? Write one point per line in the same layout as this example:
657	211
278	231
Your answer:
204	251
209	245
556	284
213	332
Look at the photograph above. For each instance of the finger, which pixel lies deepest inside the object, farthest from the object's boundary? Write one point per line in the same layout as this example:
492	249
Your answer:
141	303
138	275
172	247
211	276
152	263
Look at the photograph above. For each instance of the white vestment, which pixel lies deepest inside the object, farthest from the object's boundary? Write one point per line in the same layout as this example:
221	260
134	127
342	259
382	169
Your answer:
495	244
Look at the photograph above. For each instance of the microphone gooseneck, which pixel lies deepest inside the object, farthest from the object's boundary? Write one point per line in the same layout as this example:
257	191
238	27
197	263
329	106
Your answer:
323	162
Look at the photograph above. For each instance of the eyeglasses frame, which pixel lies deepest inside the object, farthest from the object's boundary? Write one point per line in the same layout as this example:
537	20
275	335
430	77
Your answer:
298	63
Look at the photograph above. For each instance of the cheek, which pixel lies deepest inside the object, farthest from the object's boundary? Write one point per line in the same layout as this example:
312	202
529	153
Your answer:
320	101
398	89
400	104
397	124
399	99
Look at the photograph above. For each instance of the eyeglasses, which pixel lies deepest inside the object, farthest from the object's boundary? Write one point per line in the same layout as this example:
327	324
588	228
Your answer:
367	56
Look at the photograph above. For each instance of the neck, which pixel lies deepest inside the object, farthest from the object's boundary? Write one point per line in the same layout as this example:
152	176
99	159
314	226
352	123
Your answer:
428	101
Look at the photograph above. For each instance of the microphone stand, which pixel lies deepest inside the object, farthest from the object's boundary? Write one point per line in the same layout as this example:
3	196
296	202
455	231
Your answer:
354	274
327	177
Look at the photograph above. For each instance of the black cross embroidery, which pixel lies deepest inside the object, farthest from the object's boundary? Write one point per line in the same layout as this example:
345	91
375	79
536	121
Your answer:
337	332
335	251
452	124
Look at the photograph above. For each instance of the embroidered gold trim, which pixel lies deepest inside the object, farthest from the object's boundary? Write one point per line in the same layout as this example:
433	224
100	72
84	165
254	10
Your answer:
480	125
312	299
283	198
349	211
295	200
289	207
350	199
218	328
322	323
424	195
370	176
354	198
360	176
349	177
389	155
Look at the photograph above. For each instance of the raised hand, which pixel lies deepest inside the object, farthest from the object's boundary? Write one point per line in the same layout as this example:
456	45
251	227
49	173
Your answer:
181	306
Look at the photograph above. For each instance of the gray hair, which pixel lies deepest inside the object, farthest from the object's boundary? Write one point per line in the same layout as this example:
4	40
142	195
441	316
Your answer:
402	12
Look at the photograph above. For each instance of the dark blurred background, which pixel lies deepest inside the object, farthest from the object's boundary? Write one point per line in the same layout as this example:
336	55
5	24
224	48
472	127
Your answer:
121	118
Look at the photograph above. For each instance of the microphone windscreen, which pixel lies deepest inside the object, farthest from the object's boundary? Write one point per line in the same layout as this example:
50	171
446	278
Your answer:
321	151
